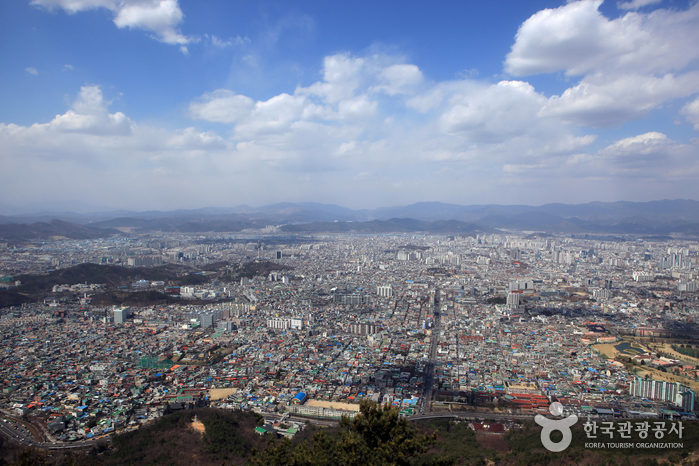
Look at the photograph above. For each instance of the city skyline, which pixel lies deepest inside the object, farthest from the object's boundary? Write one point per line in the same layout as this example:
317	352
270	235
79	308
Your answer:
163	104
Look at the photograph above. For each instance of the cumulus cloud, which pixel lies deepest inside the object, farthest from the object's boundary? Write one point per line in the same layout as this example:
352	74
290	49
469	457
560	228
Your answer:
32	71
599	102
454	140
357	108
399	79
88	150
493	114
691	111
276	115
465	119
89	115
646	167
629	65
346	93
221	106
159	17
342	75
577	39
636	4
649	155
191	139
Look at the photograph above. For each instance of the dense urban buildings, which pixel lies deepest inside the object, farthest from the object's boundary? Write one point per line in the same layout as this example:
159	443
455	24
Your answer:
505	323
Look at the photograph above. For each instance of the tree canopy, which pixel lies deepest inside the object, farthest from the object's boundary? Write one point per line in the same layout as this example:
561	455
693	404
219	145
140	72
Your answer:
376	436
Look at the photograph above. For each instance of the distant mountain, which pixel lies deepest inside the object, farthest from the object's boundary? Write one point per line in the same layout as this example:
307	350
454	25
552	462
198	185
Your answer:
44	230
394	225
184	224
313	212
645	218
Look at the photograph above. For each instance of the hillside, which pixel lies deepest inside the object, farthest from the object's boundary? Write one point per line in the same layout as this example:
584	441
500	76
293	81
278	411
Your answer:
109	275
655	218
378	437
36	287
19	232
394	225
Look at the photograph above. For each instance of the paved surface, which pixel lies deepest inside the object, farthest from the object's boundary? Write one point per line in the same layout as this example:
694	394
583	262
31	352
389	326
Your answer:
12	429
426	402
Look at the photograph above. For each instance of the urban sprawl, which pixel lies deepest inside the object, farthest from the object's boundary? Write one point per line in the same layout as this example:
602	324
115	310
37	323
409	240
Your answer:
502	324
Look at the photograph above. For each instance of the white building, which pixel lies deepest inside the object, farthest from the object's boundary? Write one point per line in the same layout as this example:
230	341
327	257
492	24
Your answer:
296	323
278	324
643	277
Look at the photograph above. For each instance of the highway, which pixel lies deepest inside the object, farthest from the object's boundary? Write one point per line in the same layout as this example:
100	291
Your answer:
501	417
13	429
425	403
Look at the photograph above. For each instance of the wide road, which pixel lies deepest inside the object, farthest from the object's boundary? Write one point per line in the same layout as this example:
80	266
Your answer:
426	402
13	429
501	417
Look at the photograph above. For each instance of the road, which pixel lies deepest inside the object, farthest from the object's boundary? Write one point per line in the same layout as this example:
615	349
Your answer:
12	429
475	416
426	402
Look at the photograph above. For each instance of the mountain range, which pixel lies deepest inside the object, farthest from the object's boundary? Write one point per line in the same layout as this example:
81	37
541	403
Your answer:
656	218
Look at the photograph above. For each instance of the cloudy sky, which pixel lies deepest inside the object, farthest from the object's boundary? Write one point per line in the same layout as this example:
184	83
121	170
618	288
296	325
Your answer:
164	104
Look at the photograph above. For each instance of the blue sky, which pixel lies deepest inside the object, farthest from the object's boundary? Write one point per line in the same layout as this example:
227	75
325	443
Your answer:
163	104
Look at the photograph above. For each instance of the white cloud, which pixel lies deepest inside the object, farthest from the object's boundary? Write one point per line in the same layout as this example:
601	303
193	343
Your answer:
342	75
276	115
691	111
88	152
68	67
598	102
649	166
649	155
358	108
498	112
32	71
466	120
636	4
399	79
222	106
191	139
230	42
74	6
577	39
454	140
345	93
89	115
160	17
641	143
425	102
630	65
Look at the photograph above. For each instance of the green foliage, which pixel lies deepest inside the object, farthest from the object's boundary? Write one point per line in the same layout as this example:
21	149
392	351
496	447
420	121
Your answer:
497	300
377	436
154	444
456	442
30	458
687	351
222	436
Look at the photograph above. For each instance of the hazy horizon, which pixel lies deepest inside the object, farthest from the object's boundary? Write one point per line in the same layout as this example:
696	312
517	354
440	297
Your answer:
85	209
173	104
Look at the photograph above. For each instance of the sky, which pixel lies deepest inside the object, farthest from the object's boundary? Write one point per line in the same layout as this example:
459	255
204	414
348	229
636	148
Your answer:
167	104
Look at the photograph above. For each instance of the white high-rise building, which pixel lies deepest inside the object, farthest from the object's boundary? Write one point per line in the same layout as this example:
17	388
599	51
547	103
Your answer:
513	300
643	277
296	323
121	314
279	324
